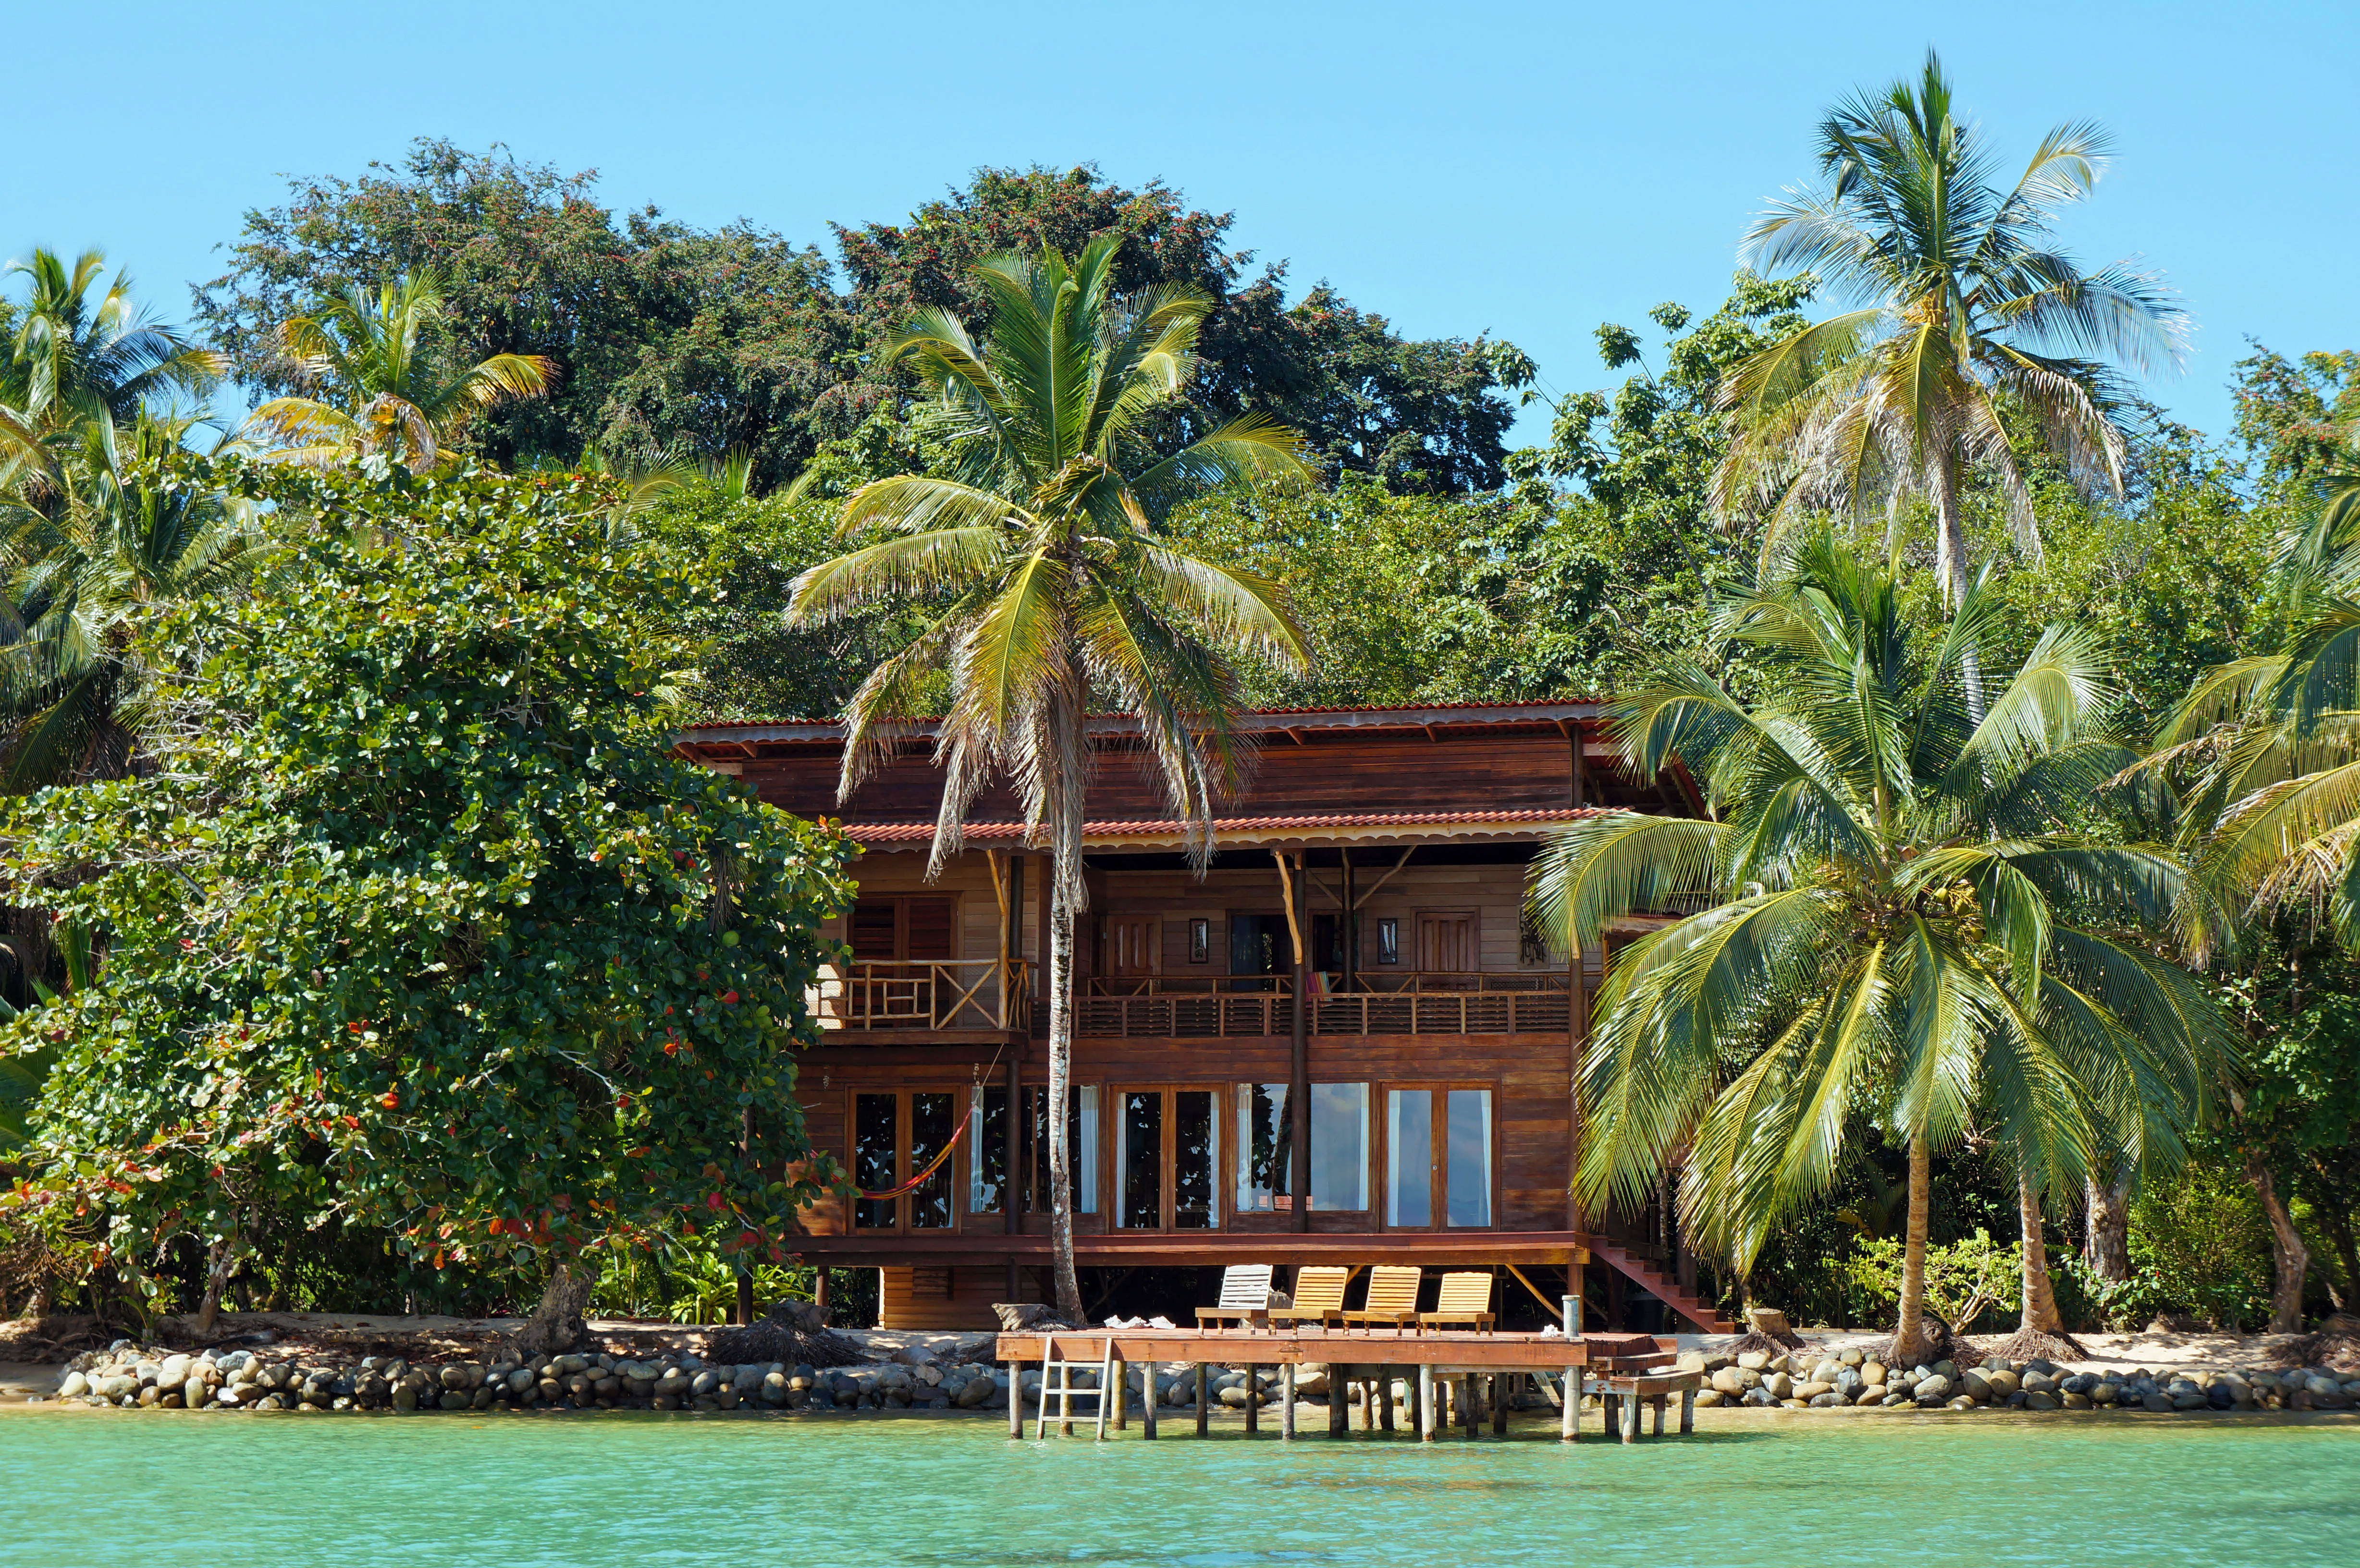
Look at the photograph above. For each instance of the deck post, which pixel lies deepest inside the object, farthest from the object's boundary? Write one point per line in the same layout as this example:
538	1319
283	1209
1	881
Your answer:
1384	1390
1204	1410
1472	1400
1122	1375
1570	1429
1631	1418
1687	1412
1425	1403
1298	911
1658	1402
1501	1383
1147	1395
1339	1403
1286	1402
1016	1396
1253	1399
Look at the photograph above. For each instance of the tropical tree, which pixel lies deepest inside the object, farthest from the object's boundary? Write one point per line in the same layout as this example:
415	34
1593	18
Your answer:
85	572
75	361
1049	585
1905	930
1967	312
390	396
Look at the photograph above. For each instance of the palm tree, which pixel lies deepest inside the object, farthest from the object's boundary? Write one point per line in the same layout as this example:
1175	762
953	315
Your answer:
84	575
76	361
1904	933
1966	310
1050	585
389	395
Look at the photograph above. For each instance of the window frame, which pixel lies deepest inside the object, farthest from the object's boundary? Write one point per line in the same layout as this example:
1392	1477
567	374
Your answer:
1438	1152
1113	1136
956	1171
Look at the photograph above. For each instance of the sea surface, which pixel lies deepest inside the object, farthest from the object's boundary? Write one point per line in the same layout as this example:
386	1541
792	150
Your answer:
162	1490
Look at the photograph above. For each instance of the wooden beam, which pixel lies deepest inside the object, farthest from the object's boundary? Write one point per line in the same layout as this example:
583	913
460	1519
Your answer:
1362	901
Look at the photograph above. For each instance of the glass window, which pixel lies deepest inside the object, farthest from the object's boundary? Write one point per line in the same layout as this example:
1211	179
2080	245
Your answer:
1409	1157
932	1119
1196	1158
1138	1161
1081	1146
875	1141
1470	1175
1263	1146
1340	1146
987	1159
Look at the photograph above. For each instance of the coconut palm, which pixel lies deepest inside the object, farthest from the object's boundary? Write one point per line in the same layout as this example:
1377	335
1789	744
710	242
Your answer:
87	570
387	392
1906	927
1049	585
74	360
1966	308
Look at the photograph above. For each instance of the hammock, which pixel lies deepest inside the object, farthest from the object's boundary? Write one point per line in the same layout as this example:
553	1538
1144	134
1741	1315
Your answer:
923	1177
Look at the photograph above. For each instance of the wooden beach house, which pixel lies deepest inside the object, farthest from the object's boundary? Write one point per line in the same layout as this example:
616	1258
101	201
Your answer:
1342	1043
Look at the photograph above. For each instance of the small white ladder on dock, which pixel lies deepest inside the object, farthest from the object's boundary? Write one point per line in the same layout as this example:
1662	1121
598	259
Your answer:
1057	1378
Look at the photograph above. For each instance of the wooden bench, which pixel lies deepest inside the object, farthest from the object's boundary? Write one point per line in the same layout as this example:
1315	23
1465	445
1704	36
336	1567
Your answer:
1392	1298
1318	1298
1621	1394
1245	1297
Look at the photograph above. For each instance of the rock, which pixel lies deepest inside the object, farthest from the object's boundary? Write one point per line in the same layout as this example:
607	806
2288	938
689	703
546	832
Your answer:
174	1370
1780	1386
1872	1373
1237	1399
1754	1360
1824	1400
75	1386
115	1385
1708	1398
455	1400
1936	1387
1975	1386
1961	1402
2003	1381
2040	1399
194	1392
2156	1402
1689	1361
915	1355
975	1392
1759	1397
2075	1401
1810	1391
453	1378
1725	1382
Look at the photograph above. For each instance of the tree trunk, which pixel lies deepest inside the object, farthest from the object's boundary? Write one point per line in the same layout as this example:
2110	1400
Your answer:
2039	1313
2289	1259
217	1262
1950	565
555	1326
2106	1239
1909	1334
2338	1226
1061	1071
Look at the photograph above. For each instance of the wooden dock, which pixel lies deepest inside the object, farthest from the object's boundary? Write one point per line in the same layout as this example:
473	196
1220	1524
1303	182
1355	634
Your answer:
1628	1370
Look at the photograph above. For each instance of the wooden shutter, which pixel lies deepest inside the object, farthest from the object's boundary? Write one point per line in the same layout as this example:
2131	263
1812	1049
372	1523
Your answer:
929	929
1137	940
1446	941
873	930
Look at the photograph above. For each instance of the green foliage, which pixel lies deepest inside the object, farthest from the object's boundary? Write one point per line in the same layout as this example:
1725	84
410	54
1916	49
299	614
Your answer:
1964	1279
2202	1242
424	928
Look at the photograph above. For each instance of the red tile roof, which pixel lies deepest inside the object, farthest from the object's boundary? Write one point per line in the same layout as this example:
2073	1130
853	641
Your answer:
914	833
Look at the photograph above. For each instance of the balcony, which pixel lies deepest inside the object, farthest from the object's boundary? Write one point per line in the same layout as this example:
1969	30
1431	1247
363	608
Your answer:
1410	1002
944	995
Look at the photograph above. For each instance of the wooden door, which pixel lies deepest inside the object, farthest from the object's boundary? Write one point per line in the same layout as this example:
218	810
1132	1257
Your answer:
1137	944
1446	943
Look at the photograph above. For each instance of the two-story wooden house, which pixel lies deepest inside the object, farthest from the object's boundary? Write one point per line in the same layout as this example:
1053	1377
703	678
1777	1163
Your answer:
1403	1093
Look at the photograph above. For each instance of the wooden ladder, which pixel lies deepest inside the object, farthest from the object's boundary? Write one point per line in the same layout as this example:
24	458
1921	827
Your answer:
1063	1386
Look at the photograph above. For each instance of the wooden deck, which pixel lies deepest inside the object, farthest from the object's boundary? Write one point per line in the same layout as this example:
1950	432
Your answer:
1184	1250
1358	1347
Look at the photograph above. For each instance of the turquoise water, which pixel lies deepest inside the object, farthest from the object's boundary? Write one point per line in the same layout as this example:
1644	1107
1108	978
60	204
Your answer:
161	1490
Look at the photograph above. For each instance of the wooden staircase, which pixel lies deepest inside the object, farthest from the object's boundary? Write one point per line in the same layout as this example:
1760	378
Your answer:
1658	1284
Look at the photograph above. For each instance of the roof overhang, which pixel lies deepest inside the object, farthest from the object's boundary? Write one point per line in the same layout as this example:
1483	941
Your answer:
1344	829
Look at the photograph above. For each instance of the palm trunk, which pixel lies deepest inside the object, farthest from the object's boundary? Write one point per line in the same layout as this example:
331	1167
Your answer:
2040	1315
1950	553
1061	1068
1909	1334
2106	1240
2289	1259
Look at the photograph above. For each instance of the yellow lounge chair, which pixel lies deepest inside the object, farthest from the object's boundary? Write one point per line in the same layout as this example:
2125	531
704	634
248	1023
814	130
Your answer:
1318	1295
1245	1296
1392	1298
1465	1299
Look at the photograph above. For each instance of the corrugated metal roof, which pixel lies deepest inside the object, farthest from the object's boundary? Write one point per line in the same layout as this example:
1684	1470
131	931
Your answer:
1010	832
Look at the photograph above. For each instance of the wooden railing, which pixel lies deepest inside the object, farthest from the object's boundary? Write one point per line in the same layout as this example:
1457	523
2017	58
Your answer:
1416	1002
926	994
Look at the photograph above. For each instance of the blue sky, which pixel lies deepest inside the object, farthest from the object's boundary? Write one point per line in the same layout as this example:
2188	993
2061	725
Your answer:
1528	170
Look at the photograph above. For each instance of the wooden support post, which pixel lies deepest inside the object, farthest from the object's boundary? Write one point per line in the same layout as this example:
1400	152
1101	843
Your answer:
1658	1402
1339	1405
1204	1410
1425	1403
1286	1402
1121	1395
1630	1418
1016	1399
1470	1398
1687	1412
1501	1382
820	1291
1385	1392
1254	1400
1349	980
1295	888
1570	1429
1148	1379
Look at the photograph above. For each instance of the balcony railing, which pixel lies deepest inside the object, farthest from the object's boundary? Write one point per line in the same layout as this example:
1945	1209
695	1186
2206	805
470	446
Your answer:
1404	1002
926	994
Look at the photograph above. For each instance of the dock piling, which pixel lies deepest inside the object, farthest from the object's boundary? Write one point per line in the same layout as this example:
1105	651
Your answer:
1425	1403
1204	1409
1286	1403
1254	1400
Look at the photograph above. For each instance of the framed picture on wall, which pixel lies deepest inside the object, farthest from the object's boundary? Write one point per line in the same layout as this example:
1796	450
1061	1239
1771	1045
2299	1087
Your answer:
1389	942
1200	941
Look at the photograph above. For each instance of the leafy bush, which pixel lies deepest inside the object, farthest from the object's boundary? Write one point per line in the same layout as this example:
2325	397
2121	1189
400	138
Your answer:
1964	1279
2203	1244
